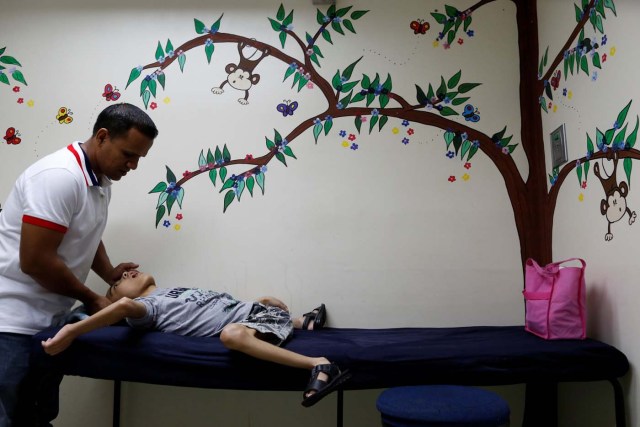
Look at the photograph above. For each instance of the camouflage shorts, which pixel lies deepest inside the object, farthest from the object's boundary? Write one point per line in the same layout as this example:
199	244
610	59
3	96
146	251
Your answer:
273	321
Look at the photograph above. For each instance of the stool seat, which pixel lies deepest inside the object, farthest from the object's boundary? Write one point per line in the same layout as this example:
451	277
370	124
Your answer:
442	406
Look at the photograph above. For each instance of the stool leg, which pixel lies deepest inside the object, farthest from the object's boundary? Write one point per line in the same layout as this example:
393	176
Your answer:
340	408
619	403
541	405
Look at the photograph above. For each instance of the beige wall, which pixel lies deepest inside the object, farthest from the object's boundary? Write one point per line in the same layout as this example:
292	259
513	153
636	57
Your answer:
378	234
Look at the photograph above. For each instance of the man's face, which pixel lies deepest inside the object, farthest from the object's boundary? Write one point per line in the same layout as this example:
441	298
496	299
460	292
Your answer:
117	156
132	284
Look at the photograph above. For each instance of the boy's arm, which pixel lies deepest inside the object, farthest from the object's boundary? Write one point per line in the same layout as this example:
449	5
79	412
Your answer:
273	301
117	311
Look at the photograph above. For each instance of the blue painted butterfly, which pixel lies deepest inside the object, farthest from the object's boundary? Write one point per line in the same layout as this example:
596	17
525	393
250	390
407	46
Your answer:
471	113
287	107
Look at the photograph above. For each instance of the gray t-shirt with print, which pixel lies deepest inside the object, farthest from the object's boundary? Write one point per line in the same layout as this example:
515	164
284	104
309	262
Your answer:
190	311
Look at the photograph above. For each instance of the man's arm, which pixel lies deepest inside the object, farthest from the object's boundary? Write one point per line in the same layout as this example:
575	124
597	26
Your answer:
39	259
117	311
102	266
273	301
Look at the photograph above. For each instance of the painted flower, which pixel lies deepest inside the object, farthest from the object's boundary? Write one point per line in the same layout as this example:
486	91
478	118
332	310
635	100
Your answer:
166	223
203	168
581	197
16	89
329	118
343	133
161	59
452	178
345	143
153	106
564	92
248	157
166	100
471	33
290	27
465	177
604	40
354	146
464	136
140	68
293	65
309	52
263	169
177	227
555	108
566	54
450	154
435	43
364	119
310	85
570	94
179	216
476	143
337	19
460	41
584	184
352	137
588	155
186	174
375	112
594	76
429	106
339	106
612	51
326	19
30	103
20	100
317	121
446	100
395	131
405	141
604	57
410	131
208	42
446	46
505	150
405	123
467	165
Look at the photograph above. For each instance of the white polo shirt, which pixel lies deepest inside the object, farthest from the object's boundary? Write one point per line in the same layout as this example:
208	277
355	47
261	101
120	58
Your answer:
59	192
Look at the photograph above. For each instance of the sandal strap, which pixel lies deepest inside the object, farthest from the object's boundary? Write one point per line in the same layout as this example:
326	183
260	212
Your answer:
316	384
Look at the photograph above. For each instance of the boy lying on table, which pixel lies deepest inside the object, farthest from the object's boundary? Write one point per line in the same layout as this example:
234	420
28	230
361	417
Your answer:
255	328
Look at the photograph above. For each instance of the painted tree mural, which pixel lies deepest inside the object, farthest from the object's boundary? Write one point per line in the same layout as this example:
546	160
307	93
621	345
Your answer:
370	101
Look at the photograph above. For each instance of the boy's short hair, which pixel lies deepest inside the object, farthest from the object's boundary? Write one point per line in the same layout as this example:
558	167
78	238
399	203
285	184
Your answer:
119	118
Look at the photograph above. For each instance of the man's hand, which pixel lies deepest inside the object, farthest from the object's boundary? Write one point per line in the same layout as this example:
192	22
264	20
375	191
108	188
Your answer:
116	273
96	304
274	302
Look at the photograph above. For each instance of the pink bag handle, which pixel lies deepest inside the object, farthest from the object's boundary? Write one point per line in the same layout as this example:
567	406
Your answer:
552	268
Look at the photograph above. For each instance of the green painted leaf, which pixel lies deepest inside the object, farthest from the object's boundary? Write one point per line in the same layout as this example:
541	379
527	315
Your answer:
288	20
622	116
599	138
288	72
161	199
358	14
216	25
566	67
543	104
289	152
180	197
2	50
18	76
584	65
240	190
383	121
472	152
181	60
467	23
275	25
9	60
161	186
260	180
498	135
608	136
466	87
465	147
358	122
348	25
459	101
343	11
349	86
357	98
628	165
281	158
319	17
144	84
218	154
372	122
579	173
337	27
345	101
620	137
599	24
451	11
208	49
210	158
171	177
454	80
586	169
226	156
590	144
4	79
572	62
448	137
631	139
202	160
159	51
327	36
578	13
228	184
283	38
199	26
251	182
212	176
223	173
370	98
450	36
317	130
135	73
546	54
448	111
328	124
349	70
153	87
228	199
146	96
420	96
159	214
169	46
281	12
162	78
609	5
384	100
439	17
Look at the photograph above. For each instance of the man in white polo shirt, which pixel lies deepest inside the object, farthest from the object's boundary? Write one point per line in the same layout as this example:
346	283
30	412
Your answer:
51	236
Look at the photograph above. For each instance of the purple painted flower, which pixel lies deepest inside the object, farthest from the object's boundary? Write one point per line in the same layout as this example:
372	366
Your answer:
450	154
405	141
329	118
589	154
263	169
166	223
405	123
339	106
446	100
317	121
604	40
471	33
505	150
476	143
343	133
375	112
293	65
464	136
594	76
354	146
564	91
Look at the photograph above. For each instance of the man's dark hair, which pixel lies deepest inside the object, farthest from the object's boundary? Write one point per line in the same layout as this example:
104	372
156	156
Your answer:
119	118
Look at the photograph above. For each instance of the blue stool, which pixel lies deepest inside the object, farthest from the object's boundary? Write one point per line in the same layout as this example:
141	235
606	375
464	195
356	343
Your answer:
442	406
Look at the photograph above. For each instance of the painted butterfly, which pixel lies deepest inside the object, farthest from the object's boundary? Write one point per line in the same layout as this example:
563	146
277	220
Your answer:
287	108
471	113
555	80
419	26
111	93
12	136
64	116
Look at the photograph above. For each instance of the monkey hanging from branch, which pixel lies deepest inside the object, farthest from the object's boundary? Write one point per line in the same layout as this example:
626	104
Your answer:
614	205
241	75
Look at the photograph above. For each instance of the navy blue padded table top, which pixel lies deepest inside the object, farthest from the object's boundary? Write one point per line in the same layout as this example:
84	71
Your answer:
377	358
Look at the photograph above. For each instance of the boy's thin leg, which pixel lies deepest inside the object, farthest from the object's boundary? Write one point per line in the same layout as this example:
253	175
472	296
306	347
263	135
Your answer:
243	339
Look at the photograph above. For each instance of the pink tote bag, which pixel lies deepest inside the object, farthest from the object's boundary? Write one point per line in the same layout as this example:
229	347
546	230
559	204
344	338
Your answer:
555	298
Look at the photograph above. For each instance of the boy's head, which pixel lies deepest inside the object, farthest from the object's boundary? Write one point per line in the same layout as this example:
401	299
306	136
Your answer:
133	284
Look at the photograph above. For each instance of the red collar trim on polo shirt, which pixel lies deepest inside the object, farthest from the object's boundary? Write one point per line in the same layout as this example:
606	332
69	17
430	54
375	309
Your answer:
83	161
